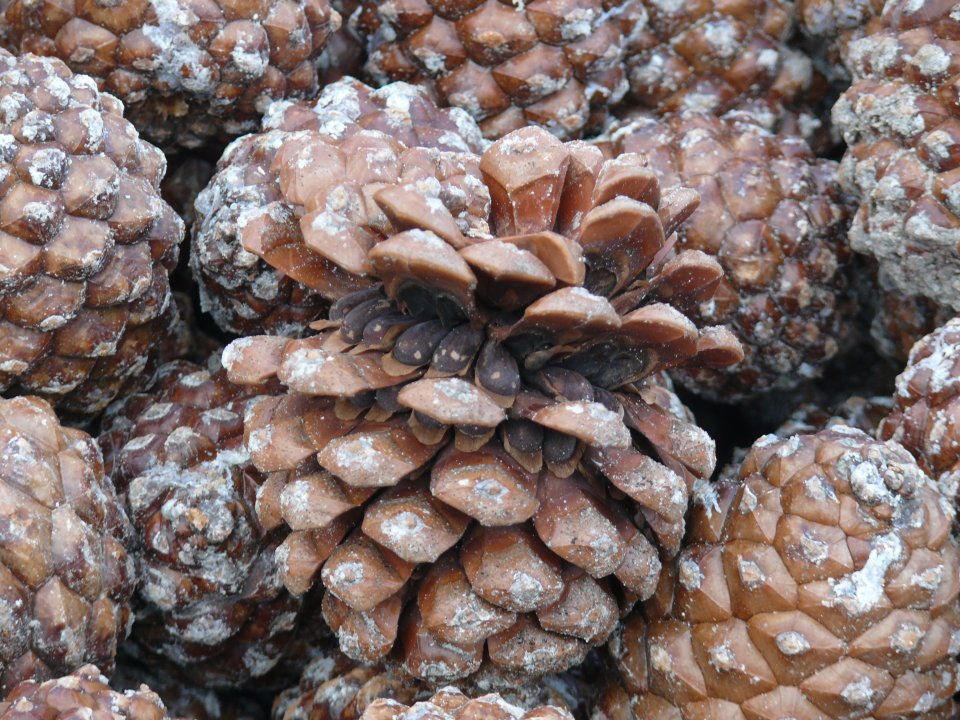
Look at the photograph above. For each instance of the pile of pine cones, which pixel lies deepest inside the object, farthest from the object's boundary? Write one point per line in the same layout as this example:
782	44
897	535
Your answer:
479	360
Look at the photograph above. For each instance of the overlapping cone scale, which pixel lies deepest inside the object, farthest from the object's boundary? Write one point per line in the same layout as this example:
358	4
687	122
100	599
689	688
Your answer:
821	583
283	227
774	218
66	552
900	122
189	72
86	243
84	693
210	605
477	455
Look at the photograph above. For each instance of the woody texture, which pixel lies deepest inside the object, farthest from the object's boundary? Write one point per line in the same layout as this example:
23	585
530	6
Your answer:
774	217
476	454
820	583
900	123
66	557
86	243
210	607
188	71
255	241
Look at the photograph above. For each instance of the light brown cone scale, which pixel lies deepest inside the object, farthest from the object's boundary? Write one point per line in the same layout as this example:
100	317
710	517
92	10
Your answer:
83	693
480	459
773	216
188	73
65	551
926	404
86	243
273	243
899	123
822	582
212	607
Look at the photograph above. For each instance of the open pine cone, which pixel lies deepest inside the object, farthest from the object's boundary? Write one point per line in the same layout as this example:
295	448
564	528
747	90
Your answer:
821	584
66	578
80	695
554	64
903	164
258	250
457	447
86	244
926	416
773	216
211	606
187	71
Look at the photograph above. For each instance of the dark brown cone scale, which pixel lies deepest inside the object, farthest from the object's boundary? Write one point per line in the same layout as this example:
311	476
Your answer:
86	244
459	454
926	406
900	122
773	216
255	245
66	559
210	605
82	694
821	583
188	72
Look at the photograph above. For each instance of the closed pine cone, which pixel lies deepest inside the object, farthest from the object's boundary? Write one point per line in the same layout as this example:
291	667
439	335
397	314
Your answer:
66	578
713	56
833	24
926	417
86	244
491	388
558	64
254	250
188	71
82	694
821	584
773	216
903	164
211	607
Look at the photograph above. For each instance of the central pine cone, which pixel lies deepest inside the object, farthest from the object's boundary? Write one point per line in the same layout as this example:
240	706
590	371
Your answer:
468	446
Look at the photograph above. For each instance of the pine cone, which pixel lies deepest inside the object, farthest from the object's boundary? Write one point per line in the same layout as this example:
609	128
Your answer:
856	412
82	694
258	270
823	584
773	216
211	606
557	64
901	320
901	164
927	406
65	576
188	72
491	388
453	704
832	25
712	56
86	244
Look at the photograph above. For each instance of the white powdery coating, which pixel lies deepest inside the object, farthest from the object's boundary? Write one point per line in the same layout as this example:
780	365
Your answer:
861	591
180	61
